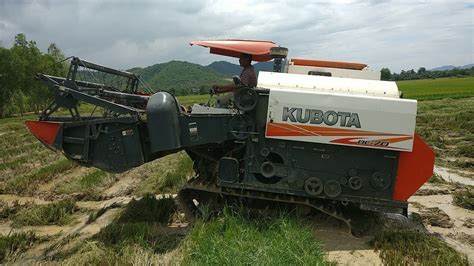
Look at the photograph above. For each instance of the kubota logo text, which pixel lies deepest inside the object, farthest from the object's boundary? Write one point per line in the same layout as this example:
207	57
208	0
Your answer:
314	116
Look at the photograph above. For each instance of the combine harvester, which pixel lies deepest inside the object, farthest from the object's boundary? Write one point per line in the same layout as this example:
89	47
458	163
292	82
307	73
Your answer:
329	135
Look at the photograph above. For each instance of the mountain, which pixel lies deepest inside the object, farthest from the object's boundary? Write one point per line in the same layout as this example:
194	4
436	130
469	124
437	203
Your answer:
467	66
179	76
225	68
451	67
443	68
263	66
231	69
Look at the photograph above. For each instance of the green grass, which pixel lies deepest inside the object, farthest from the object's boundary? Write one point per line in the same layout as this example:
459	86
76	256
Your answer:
148	209
97	253
136	237
464	197
8	210
436	179
95	215
142	223
170	175
431	89
56	213
146	235
25	183
89	184
414	248
448	127
235	239
189	100
15	244
89	253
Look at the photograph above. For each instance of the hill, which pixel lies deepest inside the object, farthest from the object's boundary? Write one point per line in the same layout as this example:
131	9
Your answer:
443	68
225	68
451	67
179	76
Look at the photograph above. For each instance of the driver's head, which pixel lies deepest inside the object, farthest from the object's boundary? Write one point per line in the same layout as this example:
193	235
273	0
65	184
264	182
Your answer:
245	60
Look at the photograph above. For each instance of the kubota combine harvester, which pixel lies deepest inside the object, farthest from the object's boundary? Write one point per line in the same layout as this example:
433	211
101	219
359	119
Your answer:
329	135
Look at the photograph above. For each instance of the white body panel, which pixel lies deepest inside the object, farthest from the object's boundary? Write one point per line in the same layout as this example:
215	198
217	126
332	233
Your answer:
336	72
274	80
383	122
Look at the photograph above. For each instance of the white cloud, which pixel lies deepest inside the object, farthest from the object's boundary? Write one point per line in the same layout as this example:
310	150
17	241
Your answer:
399	35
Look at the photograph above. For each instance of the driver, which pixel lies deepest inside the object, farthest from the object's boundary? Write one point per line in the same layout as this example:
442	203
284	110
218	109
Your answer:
247	79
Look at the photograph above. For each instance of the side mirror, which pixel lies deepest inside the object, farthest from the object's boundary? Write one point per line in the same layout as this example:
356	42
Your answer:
237	80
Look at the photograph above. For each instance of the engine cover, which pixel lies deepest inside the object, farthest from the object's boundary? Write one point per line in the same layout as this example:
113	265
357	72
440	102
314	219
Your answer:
312	115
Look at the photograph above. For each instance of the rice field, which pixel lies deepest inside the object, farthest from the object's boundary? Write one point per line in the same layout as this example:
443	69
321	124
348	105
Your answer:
44	196
433	89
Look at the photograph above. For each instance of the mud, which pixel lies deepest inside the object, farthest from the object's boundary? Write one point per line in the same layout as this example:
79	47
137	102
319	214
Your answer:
449	176
10	199
436	217
431	210
469	223
429	192
124	186
343	248
459	233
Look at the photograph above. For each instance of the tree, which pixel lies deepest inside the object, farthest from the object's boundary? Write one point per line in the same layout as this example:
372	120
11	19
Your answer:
20	40
19	91
421	71
55	52
385	74
6	81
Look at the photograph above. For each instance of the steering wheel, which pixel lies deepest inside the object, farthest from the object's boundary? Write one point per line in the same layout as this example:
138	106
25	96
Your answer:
246	99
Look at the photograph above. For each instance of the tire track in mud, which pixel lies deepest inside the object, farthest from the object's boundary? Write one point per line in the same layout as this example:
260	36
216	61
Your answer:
68	236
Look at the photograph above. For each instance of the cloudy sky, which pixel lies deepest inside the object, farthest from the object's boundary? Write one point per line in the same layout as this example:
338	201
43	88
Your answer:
124	34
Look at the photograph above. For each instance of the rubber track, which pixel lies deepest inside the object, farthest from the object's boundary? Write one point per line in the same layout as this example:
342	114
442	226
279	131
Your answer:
197	187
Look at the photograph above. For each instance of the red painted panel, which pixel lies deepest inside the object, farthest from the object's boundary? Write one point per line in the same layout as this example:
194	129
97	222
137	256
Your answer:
414	169
260	50
46	132
331	64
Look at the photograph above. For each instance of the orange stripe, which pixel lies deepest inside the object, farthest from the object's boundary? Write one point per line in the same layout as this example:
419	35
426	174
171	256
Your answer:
282	129
391	140
395	140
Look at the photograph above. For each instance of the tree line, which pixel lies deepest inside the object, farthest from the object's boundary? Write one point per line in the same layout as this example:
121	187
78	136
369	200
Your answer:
19	91
422	73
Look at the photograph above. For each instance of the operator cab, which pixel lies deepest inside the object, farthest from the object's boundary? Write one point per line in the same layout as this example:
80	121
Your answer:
284	71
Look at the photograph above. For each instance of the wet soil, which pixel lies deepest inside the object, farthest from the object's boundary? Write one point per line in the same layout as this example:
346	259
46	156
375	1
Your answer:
432	207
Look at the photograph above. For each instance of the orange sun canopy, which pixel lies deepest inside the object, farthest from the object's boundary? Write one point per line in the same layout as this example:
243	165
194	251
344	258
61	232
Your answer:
260	50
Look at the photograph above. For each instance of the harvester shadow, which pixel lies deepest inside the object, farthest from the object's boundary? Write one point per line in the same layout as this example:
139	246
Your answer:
148	222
